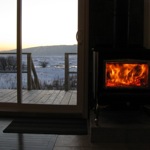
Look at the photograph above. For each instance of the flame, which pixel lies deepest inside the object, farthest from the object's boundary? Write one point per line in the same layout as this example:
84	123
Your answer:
126	74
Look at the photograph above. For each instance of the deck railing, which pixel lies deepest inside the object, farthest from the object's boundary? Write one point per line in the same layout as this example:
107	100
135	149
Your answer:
33	81
67	70
32	78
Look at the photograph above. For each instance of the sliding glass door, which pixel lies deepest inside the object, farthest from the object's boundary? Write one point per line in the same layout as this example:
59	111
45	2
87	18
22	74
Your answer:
51	54
8	59
49	40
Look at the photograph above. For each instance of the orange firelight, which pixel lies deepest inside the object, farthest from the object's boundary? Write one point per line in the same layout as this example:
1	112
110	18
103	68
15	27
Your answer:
119	74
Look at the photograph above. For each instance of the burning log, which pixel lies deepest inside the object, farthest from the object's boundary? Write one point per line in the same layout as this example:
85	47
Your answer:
119	74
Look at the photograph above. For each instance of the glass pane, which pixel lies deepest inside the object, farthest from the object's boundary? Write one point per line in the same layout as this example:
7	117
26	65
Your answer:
8	65
49	31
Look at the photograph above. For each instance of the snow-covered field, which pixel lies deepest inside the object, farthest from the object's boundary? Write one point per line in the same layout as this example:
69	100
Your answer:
53	71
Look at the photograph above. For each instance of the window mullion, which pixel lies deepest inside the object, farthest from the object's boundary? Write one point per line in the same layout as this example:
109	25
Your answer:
19	51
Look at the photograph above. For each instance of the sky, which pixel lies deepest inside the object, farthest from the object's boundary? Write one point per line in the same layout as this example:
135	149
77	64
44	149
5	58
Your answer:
44	23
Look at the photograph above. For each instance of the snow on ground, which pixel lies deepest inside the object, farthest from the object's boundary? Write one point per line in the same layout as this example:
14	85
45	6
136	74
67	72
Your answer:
54	70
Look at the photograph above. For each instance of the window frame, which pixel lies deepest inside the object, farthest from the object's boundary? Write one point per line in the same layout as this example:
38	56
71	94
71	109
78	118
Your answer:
82	86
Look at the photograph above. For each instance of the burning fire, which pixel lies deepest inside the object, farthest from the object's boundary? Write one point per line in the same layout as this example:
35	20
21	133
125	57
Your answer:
126	74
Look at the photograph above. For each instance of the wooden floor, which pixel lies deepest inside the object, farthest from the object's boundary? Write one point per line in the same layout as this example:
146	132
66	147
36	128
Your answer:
50	97
15	141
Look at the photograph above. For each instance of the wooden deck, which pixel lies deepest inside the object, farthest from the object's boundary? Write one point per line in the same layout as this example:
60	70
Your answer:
49	97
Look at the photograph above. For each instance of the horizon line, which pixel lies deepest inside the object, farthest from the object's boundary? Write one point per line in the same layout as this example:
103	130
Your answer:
41	46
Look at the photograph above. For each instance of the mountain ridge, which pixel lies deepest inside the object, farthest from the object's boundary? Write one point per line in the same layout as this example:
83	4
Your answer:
49	50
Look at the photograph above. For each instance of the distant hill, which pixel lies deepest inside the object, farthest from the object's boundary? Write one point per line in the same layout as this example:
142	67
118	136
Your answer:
50	50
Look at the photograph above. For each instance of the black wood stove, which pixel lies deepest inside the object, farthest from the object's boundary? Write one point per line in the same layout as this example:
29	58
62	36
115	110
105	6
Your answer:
121	63
121	78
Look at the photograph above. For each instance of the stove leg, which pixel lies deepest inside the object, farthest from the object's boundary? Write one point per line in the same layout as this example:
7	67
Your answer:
96	114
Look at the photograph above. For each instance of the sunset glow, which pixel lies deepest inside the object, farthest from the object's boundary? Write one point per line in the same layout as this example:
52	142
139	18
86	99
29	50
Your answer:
44	23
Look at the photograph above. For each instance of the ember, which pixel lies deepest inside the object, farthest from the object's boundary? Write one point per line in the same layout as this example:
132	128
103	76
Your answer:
120	74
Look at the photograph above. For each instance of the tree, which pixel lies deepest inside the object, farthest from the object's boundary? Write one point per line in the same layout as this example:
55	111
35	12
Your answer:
3	63
43	64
